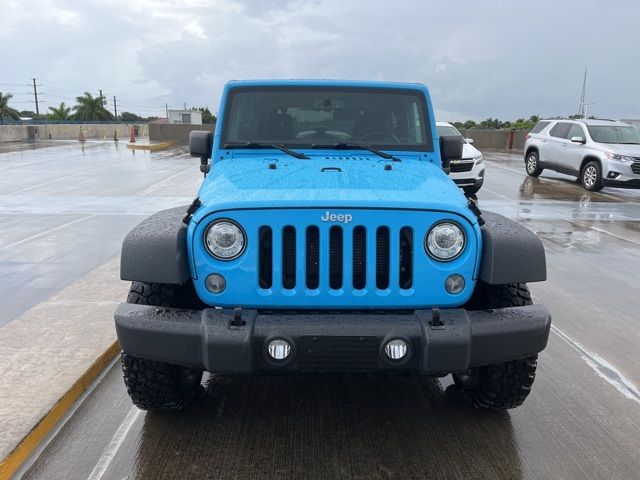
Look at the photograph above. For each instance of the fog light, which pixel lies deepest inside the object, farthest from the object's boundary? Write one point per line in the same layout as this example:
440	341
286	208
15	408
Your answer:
396	349
278	349
215	283
613	175
454	283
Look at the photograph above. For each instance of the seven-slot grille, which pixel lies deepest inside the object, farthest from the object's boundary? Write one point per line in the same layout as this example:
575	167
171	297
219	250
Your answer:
461	166
340	254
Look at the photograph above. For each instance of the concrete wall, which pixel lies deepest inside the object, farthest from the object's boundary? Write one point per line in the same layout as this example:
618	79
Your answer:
158	132
13	133
165	132
498	139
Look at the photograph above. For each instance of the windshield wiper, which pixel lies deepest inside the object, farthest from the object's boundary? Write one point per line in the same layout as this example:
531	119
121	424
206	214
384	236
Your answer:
357	146
282	148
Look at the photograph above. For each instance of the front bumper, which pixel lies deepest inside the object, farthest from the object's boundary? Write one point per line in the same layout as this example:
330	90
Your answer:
472	178
633	183
228	341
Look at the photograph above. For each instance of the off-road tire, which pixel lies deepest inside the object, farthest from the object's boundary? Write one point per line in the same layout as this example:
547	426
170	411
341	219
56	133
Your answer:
532	164
164	295
591	176
504	385
159	386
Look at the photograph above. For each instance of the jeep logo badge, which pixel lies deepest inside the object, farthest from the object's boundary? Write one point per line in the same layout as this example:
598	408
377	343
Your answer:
339	217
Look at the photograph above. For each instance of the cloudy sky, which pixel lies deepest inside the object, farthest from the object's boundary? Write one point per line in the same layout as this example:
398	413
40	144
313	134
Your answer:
484	59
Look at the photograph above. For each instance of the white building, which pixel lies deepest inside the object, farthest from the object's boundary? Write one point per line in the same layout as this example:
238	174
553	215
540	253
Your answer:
193	117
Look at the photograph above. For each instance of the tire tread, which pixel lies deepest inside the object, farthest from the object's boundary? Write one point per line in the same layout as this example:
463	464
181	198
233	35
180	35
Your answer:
504	385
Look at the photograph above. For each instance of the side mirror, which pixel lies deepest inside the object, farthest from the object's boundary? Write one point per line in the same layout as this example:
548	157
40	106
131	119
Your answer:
200	145
450	149
469	140
578	140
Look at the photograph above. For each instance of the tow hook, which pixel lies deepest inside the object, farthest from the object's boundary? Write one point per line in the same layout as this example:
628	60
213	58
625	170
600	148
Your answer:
435	318
237	318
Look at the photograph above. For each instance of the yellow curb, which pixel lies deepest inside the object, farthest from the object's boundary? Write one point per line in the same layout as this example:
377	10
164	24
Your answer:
12	462
152	147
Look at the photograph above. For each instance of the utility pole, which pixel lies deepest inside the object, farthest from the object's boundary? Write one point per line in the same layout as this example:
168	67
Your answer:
35	94
115	107
166	110
583	97
101	98
185	105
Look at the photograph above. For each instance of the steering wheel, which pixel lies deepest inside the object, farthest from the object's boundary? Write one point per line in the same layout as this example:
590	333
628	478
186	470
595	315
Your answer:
319	132
378	135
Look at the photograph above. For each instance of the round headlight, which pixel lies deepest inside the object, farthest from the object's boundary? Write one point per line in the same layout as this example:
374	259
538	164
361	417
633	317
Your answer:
445	241
225	239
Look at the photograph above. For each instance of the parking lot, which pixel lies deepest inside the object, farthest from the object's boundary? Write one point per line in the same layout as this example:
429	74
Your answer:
65	208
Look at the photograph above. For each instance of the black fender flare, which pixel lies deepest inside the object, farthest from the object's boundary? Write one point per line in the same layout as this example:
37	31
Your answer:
155	251
511	253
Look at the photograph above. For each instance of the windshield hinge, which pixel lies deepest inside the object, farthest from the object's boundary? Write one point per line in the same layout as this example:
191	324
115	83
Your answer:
473	206
195	205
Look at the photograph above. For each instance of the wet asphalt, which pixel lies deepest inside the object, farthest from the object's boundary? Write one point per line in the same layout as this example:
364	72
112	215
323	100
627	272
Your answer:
582	419
65	208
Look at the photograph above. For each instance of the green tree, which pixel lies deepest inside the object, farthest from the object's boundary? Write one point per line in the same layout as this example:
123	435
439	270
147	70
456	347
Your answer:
28	113
60	113
130	117
469	124
207	116
91	108
6	112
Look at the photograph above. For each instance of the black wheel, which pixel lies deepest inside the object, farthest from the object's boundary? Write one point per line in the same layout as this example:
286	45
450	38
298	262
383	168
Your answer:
532	164
163	295
591	176
159	386
504	385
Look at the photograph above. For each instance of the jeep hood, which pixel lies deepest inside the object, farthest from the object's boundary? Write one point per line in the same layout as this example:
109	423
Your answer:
358	181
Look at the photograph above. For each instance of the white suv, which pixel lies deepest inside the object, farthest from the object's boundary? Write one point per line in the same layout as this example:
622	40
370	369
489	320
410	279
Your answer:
468	172
600	153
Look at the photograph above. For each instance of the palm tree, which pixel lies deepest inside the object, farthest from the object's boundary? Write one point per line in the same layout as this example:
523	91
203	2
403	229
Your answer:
61	113
6	112
91	108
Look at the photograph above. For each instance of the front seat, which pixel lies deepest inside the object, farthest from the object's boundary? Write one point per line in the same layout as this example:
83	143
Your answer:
280	127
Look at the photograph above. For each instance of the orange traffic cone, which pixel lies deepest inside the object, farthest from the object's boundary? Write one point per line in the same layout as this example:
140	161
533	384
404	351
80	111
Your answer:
132	137
81	136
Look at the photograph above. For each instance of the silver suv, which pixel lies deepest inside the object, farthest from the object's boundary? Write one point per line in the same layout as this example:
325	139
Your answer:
601	153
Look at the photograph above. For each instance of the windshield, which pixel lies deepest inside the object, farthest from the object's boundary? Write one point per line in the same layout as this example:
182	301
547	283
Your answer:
300	117
614	134
447	131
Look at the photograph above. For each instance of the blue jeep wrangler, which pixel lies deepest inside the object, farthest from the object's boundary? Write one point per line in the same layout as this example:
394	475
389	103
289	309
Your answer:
327	236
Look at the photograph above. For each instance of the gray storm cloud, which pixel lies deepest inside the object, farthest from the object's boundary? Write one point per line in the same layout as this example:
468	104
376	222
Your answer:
480	59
